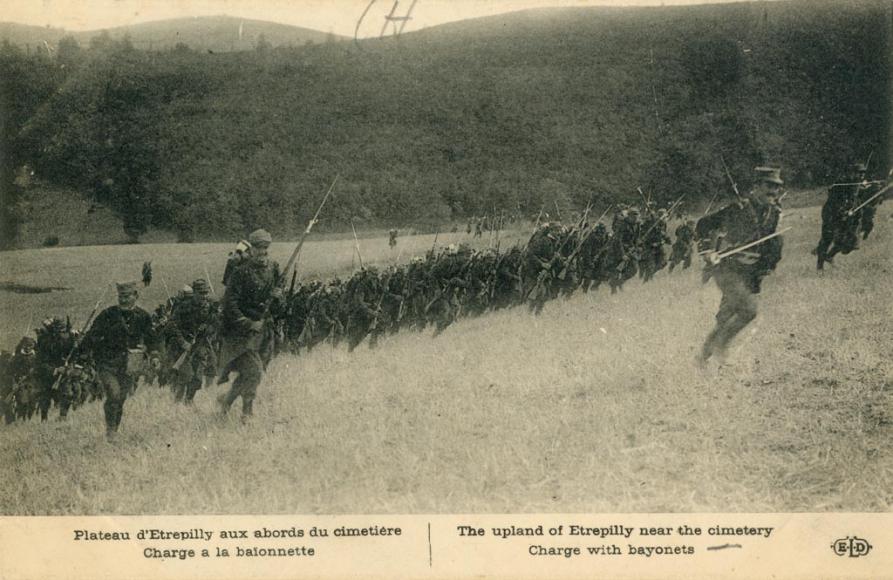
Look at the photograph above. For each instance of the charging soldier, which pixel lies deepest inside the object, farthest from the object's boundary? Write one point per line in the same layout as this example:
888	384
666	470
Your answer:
190	334
685	237
839	224
740	275
121	342
253	295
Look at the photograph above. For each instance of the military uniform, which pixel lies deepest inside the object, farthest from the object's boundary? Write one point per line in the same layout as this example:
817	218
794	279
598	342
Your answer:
867	213
119	341
55	343
623	255
253	294
192	329
739	276
681	253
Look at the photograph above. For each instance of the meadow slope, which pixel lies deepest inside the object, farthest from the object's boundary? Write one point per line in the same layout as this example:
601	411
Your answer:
597	405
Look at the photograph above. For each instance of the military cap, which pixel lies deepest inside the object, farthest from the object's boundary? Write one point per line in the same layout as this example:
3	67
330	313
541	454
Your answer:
260	238
769	174
126	287
186	290
201	286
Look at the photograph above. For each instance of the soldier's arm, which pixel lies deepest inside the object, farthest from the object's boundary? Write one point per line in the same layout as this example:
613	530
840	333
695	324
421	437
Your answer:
148	335
231	298
173	330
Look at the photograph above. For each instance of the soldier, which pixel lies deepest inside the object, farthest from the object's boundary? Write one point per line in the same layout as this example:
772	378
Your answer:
685	237
121	341
739	275
392	239
189	338
654	257
593	257
839	225
253	294
147	273
55	343
623	255
868	211
543	263
20	396
362	293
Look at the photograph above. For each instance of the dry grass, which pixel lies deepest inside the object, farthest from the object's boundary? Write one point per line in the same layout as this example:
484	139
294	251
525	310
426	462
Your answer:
507	412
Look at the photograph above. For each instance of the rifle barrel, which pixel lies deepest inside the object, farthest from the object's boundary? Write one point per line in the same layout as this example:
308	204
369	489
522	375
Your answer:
297	250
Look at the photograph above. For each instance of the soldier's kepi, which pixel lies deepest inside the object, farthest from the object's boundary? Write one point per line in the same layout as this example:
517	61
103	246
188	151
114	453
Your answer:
252	295
739	274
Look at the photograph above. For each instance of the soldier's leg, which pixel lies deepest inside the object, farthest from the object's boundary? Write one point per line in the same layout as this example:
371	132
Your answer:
722	316
44	400
250	369
192	387
741	307
115	394
867	224
821	250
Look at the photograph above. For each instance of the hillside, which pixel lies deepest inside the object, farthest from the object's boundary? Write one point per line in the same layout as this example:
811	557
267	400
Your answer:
507	113
214	33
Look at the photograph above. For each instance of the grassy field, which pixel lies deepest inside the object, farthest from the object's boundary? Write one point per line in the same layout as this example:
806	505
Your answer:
597	405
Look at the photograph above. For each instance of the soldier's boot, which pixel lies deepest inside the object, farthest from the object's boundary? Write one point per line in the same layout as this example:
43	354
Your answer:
44	407
247	409
114	411
64	406
225	401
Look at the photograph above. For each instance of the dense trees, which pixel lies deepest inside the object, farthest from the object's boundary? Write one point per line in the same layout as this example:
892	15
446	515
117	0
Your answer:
453	121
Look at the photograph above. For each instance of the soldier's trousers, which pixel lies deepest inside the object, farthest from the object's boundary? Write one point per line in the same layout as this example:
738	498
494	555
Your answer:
737	308
867	223
116	386
251	370
186	382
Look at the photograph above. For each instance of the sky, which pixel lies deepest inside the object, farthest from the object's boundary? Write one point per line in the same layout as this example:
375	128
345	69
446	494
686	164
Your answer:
337	16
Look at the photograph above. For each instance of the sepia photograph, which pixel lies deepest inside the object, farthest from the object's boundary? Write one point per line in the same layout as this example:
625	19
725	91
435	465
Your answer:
412	257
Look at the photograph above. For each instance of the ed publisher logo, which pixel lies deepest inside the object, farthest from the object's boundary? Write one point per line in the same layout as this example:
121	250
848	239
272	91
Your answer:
852	547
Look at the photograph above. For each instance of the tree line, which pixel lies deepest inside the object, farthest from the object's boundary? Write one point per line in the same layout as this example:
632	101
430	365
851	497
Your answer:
452	122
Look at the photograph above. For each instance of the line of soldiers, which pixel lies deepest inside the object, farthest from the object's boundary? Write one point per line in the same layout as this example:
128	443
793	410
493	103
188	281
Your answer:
435	290
192	339
183	344
848	215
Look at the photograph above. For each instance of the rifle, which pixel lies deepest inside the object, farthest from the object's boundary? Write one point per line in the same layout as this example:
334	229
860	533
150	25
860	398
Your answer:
714	257
186	352
167	291
870	199
537	223
77	340
374	324
434	245
541	277
357	244
210	284
875	182
576	252
446	286
309	227
729	175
